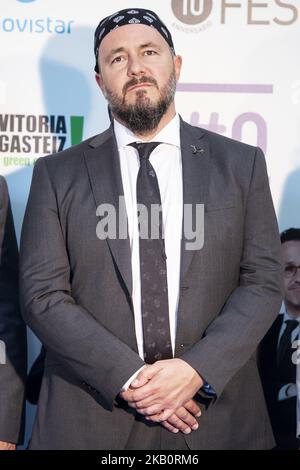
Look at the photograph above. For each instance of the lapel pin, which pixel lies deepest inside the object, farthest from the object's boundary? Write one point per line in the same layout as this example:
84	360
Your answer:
197	149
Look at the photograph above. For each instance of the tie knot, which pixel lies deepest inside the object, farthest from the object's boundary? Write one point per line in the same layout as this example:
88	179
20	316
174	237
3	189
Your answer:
144	148
291	324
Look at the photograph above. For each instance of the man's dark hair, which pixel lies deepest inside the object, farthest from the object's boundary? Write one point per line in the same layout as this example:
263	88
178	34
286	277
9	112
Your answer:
289	235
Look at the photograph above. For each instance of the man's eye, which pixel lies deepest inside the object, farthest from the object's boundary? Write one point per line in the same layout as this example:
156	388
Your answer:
117	59
150	52
289	269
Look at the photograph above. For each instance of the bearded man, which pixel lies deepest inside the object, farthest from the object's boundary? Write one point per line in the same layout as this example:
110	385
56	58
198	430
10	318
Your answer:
278	350
150	268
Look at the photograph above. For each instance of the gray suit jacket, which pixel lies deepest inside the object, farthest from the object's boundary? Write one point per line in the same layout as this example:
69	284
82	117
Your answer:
12	329
76	292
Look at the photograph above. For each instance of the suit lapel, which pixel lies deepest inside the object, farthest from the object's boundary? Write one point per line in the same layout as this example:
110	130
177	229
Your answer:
103	164
195	173
268	352
273	337
102	160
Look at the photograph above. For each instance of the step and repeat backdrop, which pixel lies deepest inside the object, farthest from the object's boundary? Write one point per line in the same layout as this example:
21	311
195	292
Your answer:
240	78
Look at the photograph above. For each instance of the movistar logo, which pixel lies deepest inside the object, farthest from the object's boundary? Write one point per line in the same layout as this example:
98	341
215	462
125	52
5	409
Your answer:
26	1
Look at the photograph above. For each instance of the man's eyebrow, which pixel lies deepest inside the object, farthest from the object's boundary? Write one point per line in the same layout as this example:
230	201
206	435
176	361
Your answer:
149	44
142	46
115	51
122	49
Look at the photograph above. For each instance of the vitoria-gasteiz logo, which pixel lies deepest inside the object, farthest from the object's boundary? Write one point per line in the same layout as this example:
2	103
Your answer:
23	137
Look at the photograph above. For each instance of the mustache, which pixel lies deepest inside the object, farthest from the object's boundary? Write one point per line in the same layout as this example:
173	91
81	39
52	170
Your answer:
294	286
135	81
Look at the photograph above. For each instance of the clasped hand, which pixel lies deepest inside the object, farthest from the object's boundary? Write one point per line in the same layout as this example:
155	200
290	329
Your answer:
7	446
163	392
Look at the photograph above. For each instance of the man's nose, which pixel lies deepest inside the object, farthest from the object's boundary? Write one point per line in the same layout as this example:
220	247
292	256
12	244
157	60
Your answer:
297	275
135	67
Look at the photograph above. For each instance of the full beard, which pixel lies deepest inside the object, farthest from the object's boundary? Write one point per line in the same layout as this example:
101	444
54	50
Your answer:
142	117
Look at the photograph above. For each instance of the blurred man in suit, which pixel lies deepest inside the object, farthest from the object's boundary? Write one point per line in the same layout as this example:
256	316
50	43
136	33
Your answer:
12	333
278	349
298	401
176	322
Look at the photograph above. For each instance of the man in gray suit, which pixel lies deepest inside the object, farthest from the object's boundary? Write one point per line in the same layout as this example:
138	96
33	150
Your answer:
144	334
13	346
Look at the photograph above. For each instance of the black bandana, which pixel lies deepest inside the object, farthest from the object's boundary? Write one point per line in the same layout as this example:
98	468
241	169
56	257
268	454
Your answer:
130	16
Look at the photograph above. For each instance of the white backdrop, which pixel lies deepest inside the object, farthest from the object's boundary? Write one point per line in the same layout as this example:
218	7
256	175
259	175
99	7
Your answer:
240	77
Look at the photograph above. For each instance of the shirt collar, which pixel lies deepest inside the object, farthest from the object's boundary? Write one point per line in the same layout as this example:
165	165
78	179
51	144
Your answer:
170	134
285	314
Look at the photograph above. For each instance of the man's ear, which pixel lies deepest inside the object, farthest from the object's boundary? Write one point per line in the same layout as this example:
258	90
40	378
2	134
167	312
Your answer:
99	80
177	65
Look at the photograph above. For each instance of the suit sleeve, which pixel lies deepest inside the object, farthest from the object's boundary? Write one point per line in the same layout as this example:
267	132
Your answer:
81	344
234	335
12	330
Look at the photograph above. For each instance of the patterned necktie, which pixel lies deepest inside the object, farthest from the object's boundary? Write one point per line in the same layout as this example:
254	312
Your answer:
285	342
153	267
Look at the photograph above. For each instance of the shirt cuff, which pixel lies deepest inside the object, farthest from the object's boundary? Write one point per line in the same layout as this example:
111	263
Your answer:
287	391
127	384
208	389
